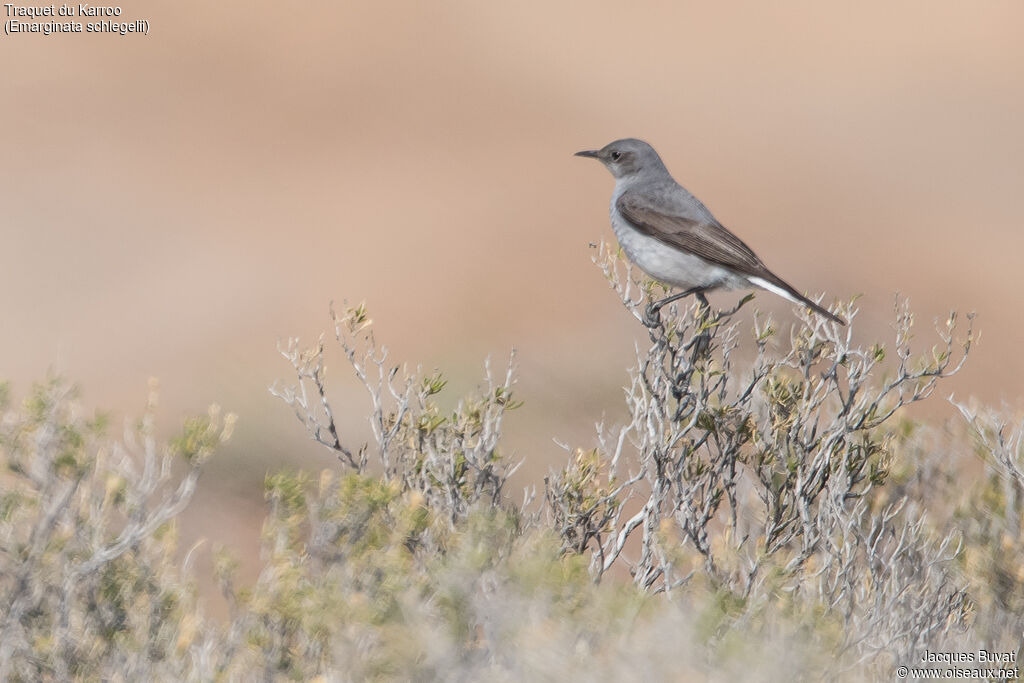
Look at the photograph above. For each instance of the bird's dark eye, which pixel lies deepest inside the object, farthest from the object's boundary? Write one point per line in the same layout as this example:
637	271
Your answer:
615	156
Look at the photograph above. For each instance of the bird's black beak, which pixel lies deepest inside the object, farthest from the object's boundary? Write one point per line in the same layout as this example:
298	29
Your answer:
589	153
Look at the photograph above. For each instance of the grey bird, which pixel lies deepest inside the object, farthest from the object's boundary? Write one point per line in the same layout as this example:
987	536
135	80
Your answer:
674	238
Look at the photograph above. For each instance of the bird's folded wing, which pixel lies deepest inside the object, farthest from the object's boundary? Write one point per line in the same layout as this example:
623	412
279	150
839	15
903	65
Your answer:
709	240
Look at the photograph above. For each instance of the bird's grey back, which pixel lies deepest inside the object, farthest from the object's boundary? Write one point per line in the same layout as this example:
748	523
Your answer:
655	182
673	199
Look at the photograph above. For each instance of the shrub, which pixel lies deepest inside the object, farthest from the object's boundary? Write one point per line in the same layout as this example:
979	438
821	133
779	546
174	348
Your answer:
762	501
87	571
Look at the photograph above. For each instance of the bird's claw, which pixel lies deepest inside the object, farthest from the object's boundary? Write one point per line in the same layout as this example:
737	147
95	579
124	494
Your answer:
652	316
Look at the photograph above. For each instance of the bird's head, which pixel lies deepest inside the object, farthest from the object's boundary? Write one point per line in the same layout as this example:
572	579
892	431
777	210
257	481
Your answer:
625	158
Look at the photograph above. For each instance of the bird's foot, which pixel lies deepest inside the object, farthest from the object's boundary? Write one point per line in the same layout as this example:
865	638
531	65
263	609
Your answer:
652	316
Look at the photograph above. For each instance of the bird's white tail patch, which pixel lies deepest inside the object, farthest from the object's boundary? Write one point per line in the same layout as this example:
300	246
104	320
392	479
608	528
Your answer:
764	284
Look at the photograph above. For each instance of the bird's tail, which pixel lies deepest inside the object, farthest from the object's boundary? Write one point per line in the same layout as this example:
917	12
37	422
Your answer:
783	289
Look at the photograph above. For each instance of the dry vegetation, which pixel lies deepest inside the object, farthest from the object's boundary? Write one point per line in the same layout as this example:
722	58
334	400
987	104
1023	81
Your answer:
778	518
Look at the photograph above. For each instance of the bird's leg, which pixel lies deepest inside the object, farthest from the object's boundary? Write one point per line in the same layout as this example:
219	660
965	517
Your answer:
705	305
652	314
702	340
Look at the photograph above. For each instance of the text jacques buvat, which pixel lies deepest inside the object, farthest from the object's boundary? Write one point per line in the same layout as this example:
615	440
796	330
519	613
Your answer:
53	18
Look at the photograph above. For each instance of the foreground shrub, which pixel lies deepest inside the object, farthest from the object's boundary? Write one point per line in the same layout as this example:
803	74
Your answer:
770	471
87	576
760	501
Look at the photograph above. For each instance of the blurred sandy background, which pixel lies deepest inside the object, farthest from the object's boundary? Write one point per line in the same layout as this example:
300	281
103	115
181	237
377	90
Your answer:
175	203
